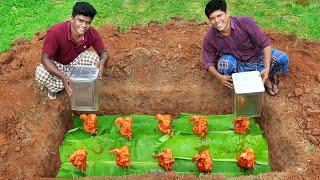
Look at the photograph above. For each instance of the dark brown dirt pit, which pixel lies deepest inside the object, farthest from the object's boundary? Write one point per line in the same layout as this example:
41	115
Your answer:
158	69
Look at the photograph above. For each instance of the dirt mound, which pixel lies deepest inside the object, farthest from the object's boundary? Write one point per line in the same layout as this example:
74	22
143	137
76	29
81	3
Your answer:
162	59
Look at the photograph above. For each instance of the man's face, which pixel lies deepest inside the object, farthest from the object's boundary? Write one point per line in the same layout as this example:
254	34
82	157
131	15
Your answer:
80	23
219	20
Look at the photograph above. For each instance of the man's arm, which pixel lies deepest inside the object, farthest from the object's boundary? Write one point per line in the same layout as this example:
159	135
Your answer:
104	56
99	47
209	58
52	68
224	79
267	62
263	42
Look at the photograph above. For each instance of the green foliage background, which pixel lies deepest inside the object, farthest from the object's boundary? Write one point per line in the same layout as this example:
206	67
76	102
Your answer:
26	17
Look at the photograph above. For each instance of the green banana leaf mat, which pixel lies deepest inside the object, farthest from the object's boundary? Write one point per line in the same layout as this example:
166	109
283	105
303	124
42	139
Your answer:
224	146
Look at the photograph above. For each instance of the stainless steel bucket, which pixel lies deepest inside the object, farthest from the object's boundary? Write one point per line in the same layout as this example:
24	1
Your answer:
86	88
248	94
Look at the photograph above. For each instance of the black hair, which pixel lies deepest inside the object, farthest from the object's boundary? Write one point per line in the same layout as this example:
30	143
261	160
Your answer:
215	5
85	9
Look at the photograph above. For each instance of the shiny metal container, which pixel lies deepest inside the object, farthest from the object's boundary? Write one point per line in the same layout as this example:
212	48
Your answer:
86	88
248	94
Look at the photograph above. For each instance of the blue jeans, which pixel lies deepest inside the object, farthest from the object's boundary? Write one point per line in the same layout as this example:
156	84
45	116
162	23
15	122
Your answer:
228	64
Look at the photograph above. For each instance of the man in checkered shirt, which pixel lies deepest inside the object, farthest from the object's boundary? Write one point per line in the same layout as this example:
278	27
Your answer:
236	44
66	45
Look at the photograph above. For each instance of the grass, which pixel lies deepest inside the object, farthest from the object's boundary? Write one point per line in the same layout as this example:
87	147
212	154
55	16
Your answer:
285	16
26	17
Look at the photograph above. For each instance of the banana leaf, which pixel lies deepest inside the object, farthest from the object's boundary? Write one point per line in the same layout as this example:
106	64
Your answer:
109	168
77	134
94	168
215	123
230	169
148	124
104	123
229	146
222	146
143	148
67	170
183	146
96	147
142	124
182	166
105	168
100	162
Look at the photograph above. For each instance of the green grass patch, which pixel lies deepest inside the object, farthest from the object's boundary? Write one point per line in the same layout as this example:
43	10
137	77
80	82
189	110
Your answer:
26	17
286	16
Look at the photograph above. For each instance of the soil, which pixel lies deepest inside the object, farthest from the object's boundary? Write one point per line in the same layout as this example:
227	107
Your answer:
158	69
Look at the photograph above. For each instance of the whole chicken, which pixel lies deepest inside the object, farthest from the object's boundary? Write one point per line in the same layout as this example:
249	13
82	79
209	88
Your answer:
79	159
241	125
204	161
90	123
123	156
125	126
165	159
200	125
164	123
247	159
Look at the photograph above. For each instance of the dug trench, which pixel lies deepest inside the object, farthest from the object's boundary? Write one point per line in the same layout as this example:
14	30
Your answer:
158	69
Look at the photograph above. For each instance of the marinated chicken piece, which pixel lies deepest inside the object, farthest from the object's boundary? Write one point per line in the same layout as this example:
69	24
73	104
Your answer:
200	125
123	156
164	123
125	126
204	161
90	123
247	159
79	159
165	159
241	125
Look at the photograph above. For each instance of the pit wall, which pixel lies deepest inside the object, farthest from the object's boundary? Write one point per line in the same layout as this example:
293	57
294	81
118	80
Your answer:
170	99
59	114
278	123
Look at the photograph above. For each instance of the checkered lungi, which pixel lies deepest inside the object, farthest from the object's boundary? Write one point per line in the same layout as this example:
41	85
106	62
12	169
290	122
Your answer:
55	84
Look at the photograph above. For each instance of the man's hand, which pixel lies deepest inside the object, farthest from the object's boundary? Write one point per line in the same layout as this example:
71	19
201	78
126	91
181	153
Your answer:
52	68
226	81
103	58
67	86
100	65
267	52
